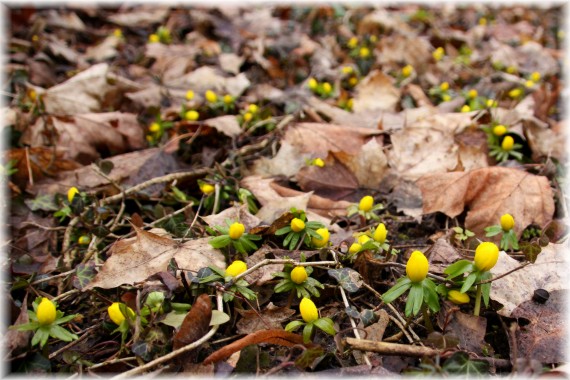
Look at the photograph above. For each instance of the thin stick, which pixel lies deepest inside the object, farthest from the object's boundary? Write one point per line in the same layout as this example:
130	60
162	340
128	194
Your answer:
64	274
504	274
353	323
392	348
115	361
281	261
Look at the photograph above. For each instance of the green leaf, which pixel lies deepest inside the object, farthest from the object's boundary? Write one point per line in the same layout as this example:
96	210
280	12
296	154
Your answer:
283	231
283	286
469	281
25	326
294	325
397	290
458	268
430	295
218	318
61	333
43	202
220	241
460	364
416	297
308	332
174	318
486	288
493	230
40	337
326	324
294	240
368	317
349	279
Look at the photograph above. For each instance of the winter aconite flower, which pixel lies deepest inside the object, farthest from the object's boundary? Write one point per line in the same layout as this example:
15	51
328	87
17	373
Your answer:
535	76
206	188
299	275
347	70
486	256
319	243
71	193
465	108
297	225
366	203
438	53
354	248
189	95
444	86
507	222
117	315
508	143
153	38
211	96
308	310
529	84
192	115
352	43
457	297
319	162
362	239
84	240
236	268
499	130
407	71
380	233
236	230
312	83
472	94
515	93
46	312
364	52
417	266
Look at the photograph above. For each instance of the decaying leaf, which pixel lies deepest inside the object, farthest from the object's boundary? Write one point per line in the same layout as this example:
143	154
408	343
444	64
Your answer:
136	259
489	193
334	180
376	92
195	324
236	213
548	272
470	330
287	162
228	125
269	318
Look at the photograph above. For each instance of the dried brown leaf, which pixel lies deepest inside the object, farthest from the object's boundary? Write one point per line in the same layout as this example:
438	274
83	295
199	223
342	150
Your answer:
333	181
269	318
196	323
376	92
489	193
235	213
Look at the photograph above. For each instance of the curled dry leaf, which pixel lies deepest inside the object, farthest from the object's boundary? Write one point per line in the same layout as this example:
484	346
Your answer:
196	323
207	78
333	181
287	162
489	193
136	259
376	92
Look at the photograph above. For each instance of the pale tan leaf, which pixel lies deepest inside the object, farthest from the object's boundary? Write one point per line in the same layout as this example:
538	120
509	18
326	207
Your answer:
376	92
333	181
369	166
208	78
287	162
230	62
227	124
272	317
489	193
107	49
236	213
141	16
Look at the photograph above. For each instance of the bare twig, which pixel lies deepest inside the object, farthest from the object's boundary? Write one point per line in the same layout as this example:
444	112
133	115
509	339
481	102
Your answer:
353	323
503	275
73	343
392	348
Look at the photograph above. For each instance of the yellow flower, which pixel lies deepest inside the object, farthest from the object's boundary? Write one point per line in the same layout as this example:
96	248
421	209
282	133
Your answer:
327	88
352	42
154	127
353	81
515	93
318	162
236	268
529	84
71	193
486	256
507	143
366	203
247	116
373	38
308	310
446	97
362	239
206	188
482	21
535	77
347	69
472	94
297	225
312	83
417	267
35	38
407	71
511	69
354	248
118	33
444	86
465	108
46	312
253	108
153	38
84	240
228	99
115	313
364	52
491	103
32	94
380	233
189	95
457	297
211	96
438	53
319	243
507	222
149	138
299	275
236	230
350	102
499	130
192	115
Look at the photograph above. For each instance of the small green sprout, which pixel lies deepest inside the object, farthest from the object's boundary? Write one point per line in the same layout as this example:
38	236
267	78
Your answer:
509	238
365	208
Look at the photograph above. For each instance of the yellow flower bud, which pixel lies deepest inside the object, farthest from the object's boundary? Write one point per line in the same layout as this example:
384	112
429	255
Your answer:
446	97
118	33
364	52
486	256
491	103
444	86
211	96
529	84
299	275
32	94
465	108
115	313
457	297
507	143
84	240
327	88
352	42
515	93
319	243
366	203
297	225
511	69
46	312
253	108
189	95
507	222
318	162
362	239
236	230
71	193
535	77
247	116
380	233
499	130
153	38
373	38
350	102
236	268
353	81
228	99
35	38
192	115
472	94
354	248
347	69
482	21
417	266
407	71
312	83
438	53
154	127
308	310
206	188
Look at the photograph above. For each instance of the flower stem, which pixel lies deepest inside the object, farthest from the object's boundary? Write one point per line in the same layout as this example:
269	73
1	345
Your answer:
427	321
477	301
